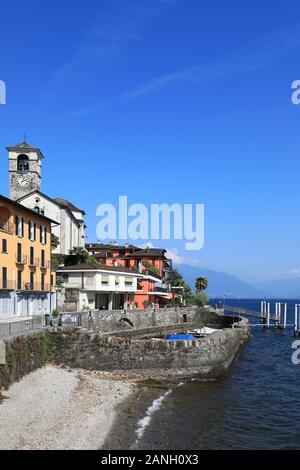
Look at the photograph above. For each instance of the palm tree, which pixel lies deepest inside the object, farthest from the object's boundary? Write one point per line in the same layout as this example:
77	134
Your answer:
201	284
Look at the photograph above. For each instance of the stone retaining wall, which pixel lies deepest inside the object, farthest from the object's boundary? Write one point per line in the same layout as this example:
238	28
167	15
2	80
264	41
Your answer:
109	320
129	350
205	357
21	355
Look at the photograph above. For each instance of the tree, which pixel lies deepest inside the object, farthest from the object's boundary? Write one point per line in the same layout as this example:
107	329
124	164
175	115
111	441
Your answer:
200	298
79	255
201	284
54	241
178	284
150	268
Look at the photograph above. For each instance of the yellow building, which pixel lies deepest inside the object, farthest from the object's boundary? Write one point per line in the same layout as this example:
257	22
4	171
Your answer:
25	261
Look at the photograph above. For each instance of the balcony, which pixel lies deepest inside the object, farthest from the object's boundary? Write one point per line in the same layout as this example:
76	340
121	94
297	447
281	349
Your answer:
35	287
160	288
22	259
5	226
25	286
45	264
7	285
34	263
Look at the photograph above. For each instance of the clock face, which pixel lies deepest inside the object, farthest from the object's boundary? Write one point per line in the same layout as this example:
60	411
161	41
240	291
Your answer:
22	181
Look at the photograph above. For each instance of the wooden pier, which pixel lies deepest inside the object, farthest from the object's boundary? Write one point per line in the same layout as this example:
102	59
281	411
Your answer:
267	319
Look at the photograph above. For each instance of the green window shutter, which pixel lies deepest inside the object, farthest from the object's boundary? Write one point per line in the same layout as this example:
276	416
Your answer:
104	279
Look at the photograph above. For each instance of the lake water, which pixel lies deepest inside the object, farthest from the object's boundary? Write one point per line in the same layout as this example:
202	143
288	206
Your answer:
257	406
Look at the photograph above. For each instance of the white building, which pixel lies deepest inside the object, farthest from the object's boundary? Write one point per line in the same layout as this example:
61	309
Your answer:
95	286
71	228
25	168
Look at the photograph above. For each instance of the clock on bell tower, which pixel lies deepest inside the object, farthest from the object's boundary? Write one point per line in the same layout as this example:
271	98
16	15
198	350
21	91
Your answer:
24	169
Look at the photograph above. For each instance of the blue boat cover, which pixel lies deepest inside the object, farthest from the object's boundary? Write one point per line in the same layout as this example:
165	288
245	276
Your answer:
175	336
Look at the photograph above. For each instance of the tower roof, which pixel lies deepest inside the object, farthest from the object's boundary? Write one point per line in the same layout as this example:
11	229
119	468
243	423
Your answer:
23	146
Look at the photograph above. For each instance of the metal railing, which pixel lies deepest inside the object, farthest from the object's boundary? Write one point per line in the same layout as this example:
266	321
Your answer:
34	262
25	326
45	265
21	259
35	287
21	327
6	284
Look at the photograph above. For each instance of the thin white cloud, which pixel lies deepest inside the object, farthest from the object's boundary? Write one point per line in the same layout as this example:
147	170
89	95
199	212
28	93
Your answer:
262	53
120	24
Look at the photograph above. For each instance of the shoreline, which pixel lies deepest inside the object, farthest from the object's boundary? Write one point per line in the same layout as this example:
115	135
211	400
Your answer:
57	408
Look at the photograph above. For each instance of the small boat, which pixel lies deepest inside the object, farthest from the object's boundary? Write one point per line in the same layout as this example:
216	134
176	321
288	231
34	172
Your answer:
202	332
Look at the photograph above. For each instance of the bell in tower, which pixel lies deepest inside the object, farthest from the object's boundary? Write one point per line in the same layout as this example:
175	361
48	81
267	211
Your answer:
24	169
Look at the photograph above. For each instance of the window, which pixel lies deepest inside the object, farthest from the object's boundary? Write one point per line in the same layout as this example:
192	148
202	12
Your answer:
4	278
37	209
42	281
19	226
128	281
104	280
19	253
31	256
19	284
31	280
23	163
117	281
31	230
4	245
43	258
43	234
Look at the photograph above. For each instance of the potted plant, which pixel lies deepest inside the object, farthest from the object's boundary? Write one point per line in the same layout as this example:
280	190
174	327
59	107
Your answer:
55	316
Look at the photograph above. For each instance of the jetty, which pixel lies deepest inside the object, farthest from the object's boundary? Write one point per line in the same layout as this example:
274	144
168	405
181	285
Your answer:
269	316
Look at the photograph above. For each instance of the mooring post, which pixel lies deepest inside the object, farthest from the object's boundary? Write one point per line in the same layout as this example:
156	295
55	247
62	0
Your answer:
285	315
278	315
297	319
268	314
282	315
263	311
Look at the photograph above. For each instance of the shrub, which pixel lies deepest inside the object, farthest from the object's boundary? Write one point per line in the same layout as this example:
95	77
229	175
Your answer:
55	313
200	298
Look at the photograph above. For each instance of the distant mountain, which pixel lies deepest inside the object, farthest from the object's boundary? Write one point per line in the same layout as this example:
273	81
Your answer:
219	283
288	288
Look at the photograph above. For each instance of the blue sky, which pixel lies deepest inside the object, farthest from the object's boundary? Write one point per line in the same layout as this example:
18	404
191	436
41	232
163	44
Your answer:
165	101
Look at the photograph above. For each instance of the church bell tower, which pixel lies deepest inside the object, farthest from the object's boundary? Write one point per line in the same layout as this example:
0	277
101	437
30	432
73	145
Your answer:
25	165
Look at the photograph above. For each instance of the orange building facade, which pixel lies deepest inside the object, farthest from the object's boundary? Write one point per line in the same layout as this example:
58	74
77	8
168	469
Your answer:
152	286
25	261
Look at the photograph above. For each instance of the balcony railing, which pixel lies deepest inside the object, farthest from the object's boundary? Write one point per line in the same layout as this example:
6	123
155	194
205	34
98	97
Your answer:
35	287
24	286
5	226
34	263
7	284
45	264
21	259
